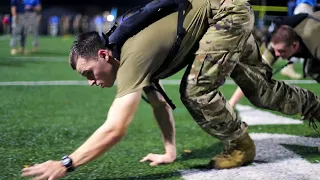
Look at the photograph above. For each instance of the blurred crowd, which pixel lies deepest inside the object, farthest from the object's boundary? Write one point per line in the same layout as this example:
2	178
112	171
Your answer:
28	18
65	24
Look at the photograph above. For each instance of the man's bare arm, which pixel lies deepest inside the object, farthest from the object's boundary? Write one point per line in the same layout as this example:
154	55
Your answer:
163	114
120	115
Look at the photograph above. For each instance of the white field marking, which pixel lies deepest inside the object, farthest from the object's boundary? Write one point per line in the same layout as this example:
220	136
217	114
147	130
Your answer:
2	38
73	82
43	83
254	116
273	162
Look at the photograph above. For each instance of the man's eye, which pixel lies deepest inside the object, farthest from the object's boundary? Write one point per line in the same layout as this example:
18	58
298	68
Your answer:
89	75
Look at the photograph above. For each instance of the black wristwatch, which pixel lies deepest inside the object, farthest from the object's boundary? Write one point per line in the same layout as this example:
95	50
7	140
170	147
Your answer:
67	162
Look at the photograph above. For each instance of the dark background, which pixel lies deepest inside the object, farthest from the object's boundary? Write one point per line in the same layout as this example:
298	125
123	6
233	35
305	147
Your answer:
91	8
119	2
86	6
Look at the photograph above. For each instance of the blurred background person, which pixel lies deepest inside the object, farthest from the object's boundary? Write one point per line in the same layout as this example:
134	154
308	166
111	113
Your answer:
84	24
76	24
98	21
18	25
53	25
65	25
108	20
6	24
305	6
32	13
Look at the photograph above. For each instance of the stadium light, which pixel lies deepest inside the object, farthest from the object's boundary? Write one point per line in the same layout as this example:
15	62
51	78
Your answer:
110	18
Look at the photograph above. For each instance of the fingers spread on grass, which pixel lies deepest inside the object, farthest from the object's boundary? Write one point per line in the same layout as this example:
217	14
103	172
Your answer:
146	158
32	171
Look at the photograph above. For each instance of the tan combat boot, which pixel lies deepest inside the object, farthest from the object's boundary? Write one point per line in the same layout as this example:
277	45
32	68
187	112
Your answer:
14	51
290	72
237	153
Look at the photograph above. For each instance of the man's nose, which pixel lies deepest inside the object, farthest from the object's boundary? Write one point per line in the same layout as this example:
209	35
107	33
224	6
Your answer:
91	82
277	53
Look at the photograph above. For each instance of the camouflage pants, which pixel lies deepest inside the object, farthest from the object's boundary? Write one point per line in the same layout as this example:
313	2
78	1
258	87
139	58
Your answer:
18	31
228	48
33	26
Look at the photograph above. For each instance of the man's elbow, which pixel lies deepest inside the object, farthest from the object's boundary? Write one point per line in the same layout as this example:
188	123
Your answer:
118	134
115	133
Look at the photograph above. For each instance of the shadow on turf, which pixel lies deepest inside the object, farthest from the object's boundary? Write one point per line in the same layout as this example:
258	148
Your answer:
150	176
8	63
303	151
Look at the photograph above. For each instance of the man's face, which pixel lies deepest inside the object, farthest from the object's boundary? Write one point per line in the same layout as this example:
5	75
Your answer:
284	50
101	72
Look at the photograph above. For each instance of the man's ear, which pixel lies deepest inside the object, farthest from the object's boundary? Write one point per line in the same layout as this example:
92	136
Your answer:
103	54
296	45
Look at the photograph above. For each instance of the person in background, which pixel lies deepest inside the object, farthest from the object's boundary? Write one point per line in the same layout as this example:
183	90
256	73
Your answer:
302	6
32	13
18	25
65	25
76	24
6	24
54	25
296	23
98	21
84	24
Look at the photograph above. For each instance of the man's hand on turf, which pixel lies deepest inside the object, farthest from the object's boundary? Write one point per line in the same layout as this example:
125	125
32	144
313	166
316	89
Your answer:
50	170
157	159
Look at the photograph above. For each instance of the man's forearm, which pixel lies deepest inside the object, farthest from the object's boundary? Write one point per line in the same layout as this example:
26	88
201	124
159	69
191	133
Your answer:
164	117
99	142
119	117
163	114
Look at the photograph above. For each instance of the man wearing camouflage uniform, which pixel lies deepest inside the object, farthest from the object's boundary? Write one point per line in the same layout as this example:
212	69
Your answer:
304	27
33	8
18	25
302	32
222	32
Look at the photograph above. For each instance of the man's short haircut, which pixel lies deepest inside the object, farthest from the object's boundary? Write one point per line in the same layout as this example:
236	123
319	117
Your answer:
86	46
284	34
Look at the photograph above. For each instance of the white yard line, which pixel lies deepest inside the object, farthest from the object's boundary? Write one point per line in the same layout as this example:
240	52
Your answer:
73	82
3	38
253	116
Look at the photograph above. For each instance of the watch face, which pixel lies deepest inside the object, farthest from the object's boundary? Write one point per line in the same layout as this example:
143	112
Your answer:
66	161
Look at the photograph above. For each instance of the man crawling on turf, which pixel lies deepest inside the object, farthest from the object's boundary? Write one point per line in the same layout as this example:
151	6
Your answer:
222	32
